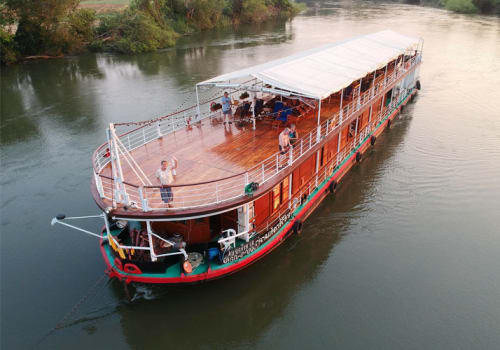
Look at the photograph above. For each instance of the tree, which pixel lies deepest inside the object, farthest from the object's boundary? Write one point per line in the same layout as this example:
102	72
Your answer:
40	24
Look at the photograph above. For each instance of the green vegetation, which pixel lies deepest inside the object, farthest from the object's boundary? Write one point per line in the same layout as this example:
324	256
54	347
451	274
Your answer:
466	6
461	6
58	27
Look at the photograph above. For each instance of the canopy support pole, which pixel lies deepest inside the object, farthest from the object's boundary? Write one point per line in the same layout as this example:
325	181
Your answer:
197	103
318	135
341	111
385	75
253	110
359	92
373	84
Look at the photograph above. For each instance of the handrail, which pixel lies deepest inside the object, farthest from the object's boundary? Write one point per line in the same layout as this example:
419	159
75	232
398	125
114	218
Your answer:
231	187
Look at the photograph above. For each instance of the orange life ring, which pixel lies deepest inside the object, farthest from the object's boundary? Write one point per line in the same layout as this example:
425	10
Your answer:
132	268
186	266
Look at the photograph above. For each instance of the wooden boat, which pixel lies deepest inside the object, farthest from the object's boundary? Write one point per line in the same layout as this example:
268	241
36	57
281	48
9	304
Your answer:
235	197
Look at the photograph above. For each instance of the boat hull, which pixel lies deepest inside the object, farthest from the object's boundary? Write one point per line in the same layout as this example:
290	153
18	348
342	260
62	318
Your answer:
299	215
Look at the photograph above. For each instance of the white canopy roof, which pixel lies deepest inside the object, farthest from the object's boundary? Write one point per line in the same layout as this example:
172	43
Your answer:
320	72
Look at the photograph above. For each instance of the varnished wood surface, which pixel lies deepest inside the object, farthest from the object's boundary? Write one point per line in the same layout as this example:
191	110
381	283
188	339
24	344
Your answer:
211	150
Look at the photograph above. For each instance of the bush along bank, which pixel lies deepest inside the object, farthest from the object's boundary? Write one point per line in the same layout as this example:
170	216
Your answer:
463	6
52	28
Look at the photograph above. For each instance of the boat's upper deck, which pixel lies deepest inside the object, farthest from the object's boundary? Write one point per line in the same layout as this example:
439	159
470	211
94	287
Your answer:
215	160
210	150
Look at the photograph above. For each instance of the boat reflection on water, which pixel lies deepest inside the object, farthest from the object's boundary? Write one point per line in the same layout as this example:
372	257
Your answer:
240	308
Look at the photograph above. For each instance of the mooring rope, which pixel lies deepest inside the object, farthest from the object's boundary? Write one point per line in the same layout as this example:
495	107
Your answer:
92	291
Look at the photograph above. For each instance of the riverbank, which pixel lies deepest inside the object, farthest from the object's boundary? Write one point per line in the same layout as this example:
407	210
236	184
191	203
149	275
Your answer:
462	6
120	26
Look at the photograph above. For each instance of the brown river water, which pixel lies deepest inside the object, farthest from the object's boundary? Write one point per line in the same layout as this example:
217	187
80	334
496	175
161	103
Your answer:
405	256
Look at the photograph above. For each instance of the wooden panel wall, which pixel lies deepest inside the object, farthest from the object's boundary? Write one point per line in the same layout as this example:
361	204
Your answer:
262	209
193	231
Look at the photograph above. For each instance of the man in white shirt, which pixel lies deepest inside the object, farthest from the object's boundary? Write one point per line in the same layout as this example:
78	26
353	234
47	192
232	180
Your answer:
165	175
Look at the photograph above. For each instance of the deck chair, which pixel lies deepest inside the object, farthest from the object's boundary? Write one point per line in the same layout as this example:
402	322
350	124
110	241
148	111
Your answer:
230	243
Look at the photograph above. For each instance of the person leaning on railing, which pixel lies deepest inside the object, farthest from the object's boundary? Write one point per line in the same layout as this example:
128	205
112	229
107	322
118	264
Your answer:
165	175
293	135
284	141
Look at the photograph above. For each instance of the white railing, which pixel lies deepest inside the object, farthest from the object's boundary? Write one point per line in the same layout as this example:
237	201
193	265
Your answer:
215	192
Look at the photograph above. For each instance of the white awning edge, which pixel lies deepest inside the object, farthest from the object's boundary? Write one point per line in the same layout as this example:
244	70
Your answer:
322	71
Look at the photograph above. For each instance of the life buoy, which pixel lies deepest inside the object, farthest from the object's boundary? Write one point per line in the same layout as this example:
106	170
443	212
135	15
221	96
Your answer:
358	156
186	266
417	84
373	139
118	264
132	268
297	227
333	186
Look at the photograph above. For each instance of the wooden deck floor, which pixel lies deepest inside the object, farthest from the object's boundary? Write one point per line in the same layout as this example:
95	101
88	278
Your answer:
211	151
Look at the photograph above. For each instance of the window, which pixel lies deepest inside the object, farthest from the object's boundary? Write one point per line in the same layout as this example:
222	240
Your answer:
284	190
276	196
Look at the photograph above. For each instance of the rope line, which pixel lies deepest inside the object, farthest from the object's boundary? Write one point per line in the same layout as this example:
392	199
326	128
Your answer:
92	291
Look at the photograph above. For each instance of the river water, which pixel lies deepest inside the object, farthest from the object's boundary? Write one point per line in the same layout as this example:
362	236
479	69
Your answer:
405	256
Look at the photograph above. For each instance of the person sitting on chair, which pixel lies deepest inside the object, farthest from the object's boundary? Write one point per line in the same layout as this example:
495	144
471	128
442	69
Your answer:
258	106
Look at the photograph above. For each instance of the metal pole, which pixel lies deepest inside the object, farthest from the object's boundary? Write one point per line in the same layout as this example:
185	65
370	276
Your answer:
150	238
318	134
55	221
116	184
359	91
317	165
118	163
253	109
385	74
370	117
356	130
106	223
197	102
341	100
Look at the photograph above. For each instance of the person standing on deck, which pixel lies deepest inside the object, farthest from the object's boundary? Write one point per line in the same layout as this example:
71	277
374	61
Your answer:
284	141
165	175
293	135
226	107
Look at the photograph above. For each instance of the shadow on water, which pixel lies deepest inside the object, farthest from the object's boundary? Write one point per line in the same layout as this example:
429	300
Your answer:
240	308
